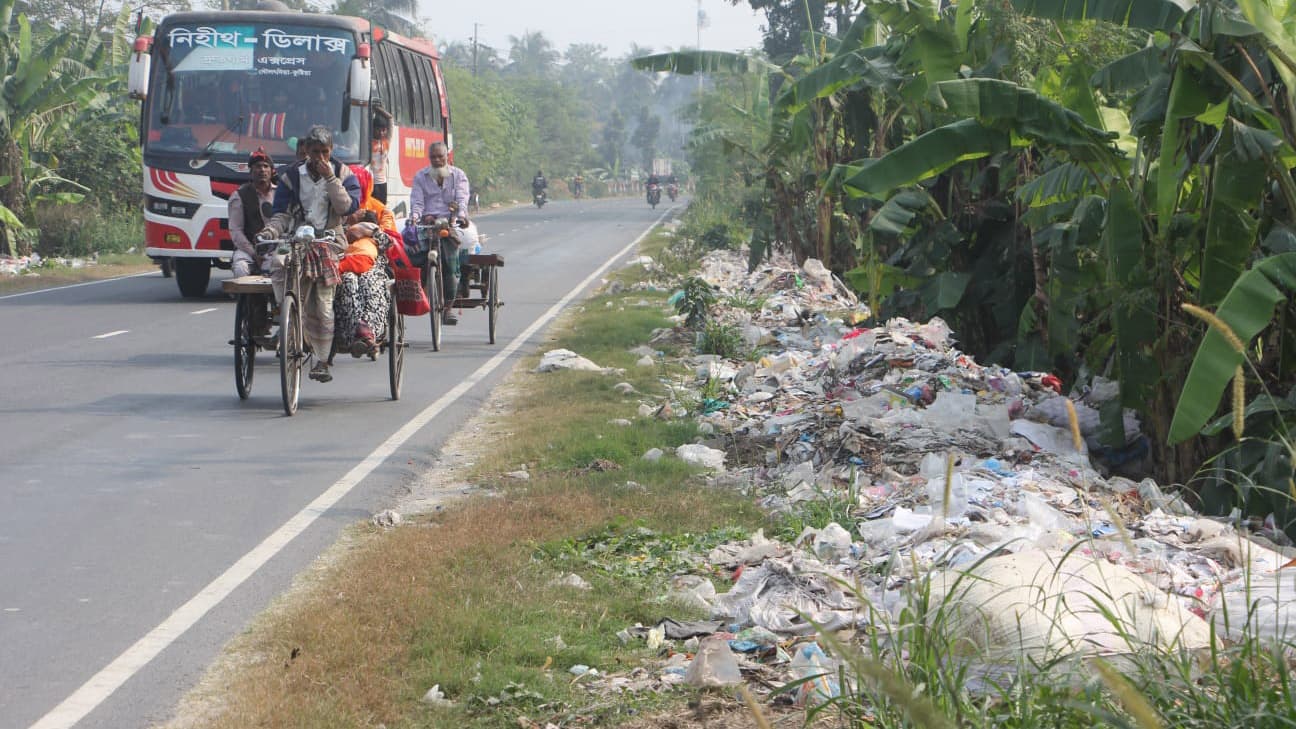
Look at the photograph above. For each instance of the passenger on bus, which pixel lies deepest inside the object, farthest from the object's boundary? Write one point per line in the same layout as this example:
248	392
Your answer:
441	190
249	207
319	192
380	150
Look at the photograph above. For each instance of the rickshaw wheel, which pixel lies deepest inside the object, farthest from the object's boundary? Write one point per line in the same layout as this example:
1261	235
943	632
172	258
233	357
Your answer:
395	350
492	300
244	346
291	354
432	285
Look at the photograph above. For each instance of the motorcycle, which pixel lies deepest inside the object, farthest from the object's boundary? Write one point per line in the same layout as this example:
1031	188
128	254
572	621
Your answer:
654	195
538	197
672	191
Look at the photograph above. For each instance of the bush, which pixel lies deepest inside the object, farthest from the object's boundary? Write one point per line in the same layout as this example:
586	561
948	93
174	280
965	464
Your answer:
82	229
100	152
711	223
695	305
723	340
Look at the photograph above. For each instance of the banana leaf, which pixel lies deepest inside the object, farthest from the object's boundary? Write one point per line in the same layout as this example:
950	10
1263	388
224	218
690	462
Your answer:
1262	405
840	72
1237	188
1187	100
897	215
924	157
1066	181
1133	320
1223	20
945	290
1147	14
1130	72
1259	145
1023	111
905	16
1247	309
936	53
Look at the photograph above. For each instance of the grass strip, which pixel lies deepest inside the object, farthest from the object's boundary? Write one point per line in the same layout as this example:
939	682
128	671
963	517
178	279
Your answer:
466	599
52	274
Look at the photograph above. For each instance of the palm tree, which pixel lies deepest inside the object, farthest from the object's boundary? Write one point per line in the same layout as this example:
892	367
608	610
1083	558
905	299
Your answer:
532	54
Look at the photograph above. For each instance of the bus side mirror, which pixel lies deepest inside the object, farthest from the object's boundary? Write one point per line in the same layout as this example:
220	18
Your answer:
361	76
140	64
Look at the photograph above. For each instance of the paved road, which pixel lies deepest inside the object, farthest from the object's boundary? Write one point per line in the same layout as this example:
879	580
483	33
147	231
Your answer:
132	477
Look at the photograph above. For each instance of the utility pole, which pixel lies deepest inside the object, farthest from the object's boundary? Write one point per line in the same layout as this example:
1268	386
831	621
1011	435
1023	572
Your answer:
701	18
475	48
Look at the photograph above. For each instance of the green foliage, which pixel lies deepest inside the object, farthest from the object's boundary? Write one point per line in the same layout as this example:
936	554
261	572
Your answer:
724	340
84	229
746	302
710	221
696	301
586	114
1247	309
1055	178
632	551
99	152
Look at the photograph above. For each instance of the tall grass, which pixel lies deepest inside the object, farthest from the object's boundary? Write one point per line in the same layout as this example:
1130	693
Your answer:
924	664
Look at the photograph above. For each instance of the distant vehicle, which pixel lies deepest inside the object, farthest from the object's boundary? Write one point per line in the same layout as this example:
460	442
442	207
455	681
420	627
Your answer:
217	85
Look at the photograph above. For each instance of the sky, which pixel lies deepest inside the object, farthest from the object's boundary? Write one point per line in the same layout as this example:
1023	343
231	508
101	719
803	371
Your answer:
614	24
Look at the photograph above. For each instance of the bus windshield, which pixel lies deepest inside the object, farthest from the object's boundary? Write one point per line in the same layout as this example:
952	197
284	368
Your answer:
221	90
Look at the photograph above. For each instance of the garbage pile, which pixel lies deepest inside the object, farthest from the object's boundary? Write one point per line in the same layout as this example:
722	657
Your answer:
27	265
13	266
967	488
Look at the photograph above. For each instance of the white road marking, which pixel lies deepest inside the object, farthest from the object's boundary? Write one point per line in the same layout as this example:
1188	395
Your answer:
204	311
110	678
79	285
111	334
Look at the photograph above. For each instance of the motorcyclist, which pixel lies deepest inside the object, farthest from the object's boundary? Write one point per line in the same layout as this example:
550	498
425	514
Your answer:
539	184
320	192
441	190
653	187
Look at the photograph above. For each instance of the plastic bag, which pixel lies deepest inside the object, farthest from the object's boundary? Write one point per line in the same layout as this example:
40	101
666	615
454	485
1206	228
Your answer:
811	663
714	665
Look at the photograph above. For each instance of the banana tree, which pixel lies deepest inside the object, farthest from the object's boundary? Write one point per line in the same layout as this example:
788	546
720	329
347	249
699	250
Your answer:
44	85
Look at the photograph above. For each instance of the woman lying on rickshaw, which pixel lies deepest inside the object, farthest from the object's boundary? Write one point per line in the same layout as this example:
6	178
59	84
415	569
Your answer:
363	298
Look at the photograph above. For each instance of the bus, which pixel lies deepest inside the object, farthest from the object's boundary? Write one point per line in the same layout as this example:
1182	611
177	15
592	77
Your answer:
215	86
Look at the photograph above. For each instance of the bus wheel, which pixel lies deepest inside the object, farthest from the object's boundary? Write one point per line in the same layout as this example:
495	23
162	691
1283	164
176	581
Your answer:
192	275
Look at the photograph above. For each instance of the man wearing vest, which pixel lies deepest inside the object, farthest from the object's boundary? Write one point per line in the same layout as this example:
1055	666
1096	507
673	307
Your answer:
249	207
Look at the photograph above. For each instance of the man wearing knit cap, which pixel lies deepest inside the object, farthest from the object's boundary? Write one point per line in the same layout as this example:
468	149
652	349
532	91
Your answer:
249	207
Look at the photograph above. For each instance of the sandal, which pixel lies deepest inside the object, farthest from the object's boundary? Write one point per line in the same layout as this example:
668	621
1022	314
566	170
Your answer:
320	373
363	342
